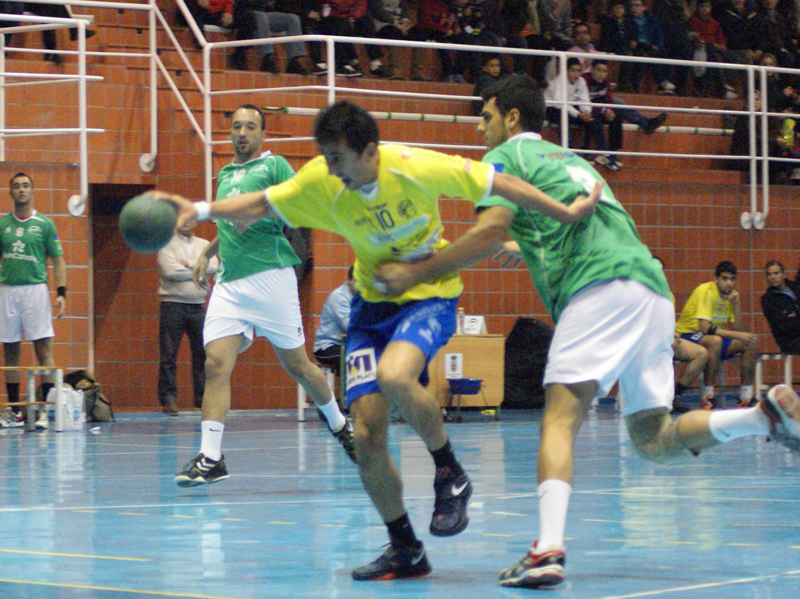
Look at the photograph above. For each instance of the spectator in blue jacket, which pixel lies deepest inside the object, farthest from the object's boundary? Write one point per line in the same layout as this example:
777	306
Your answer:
648	41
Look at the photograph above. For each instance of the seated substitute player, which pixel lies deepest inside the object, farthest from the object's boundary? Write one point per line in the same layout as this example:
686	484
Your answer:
712	317
384	200
613	312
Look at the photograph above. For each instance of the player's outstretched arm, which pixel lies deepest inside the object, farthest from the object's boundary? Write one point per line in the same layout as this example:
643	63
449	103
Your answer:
526	195
244	207
482	241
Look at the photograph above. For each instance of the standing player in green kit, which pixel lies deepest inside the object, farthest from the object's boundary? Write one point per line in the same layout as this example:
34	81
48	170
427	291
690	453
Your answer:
28	239
255	294
613	313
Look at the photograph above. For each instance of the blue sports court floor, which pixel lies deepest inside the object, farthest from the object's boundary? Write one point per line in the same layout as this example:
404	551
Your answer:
96	515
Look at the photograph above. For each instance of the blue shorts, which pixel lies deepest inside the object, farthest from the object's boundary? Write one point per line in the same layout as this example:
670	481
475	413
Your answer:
726	343
428	324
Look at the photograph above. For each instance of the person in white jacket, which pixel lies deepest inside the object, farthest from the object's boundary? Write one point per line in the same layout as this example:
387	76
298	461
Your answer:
182	310
579	108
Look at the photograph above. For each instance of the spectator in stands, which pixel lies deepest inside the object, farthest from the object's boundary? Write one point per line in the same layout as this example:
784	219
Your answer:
777	147
773	34
393	22
472	31
226	13
579	106
712	317
648	42
555	17
781	306
506	20
600	93
350	18
271	19
437	22
492	73
616	30
59	11
711	43
673	16
736	21
583	43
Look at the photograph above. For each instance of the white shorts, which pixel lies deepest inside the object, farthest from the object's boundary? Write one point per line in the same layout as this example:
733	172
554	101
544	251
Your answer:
620	330
265	304
25	310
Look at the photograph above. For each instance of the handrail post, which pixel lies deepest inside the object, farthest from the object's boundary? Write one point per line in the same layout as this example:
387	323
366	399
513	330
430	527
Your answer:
760	218
148	161
562	66
207	115
2	97
746	218
331	74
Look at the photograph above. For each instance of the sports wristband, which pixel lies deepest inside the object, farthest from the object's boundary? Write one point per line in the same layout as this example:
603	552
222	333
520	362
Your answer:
61	291
203	210
712	330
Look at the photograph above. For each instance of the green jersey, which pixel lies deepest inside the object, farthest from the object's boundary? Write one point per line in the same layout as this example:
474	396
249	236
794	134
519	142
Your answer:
262	245
26	245
565	258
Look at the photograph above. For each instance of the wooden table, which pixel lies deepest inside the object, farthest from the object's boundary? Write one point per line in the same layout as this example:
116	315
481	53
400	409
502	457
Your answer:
483	358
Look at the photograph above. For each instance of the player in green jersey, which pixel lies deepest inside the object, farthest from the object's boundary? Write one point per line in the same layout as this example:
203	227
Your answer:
613	313
28	239
384	200
255	295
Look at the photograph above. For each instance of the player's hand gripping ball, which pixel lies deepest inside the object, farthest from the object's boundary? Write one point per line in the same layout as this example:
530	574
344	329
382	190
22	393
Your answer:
147	224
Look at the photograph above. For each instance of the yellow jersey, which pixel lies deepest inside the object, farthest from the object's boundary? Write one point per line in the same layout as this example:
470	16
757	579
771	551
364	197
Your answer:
705	303
396	220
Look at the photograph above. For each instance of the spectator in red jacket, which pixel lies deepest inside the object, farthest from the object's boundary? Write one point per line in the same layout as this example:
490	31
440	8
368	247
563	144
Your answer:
437	22
711	46
230	14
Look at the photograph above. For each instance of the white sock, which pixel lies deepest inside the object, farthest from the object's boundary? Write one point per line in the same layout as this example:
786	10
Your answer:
553	503
333	415
708	390
746	392
374	64
727	425
211	441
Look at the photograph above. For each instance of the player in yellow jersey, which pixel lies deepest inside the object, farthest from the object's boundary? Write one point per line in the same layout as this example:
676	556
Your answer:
384	200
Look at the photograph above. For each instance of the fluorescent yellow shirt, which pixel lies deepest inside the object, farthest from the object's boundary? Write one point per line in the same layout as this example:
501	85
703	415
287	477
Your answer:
396	221
706	304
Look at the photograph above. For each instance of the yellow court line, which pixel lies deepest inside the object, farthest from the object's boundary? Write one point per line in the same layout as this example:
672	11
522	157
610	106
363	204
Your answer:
77	555
186	517
496	534
232	519
112	589
282	523
131	514
743	544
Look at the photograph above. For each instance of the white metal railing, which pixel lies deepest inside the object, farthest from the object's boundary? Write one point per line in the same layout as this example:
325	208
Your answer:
757	155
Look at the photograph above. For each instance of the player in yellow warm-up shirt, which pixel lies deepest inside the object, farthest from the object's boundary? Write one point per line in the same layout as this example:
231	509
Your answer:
712	317
384	200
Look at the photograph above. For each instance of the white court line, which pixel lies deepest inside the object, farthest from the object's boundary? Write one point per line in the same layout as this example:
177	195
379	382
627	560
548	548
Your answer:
708	585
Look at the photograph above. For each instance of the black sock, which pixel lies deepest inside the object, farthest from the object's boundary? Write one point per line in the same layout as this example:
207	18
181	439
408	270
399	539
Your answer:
13	395
680	389
401	533
444	458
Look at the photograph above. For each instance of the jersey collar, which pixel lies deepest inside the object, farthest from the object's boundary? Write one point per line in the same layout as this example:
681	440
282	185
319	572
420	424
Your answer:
527	135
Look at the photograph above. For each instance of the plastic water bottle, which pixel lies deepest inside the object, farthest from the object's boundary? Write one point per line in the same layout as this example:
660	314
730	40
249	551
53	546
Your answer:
460	321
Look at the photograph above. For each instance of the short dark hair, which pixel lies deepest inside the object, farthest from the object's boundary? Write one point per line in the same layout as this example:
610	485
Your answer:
598	61
772	263
346	121
350	273
572	61
725	266
257	110
520	92
588	29
17	176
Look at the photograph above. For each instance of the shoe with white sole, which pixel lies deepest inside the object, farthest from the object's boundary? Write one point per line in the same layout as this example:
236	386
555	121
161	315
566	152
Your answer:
782	408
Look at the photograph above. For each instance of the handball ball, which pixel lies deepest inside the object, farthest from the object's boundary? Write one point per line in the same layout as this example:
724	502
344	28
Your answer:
147	224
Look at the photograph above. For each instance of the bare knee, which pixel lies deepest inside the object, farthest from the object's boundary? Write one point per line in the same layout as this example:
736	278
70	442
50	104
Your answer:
393	381
217	366
370	435
655	437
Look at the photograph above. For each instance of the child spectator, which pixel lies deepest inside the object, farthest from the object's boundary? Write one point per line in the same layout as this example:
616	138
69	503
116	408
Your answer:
616	34
492	73
600	93
711	43
648	41
673	16
579	106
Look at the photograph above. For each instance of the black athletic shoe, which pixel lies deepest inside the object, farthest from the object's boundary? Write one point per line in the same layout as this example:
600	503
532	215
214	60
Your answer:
654	123
450	510
678	407
202	471
345	436
396	562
